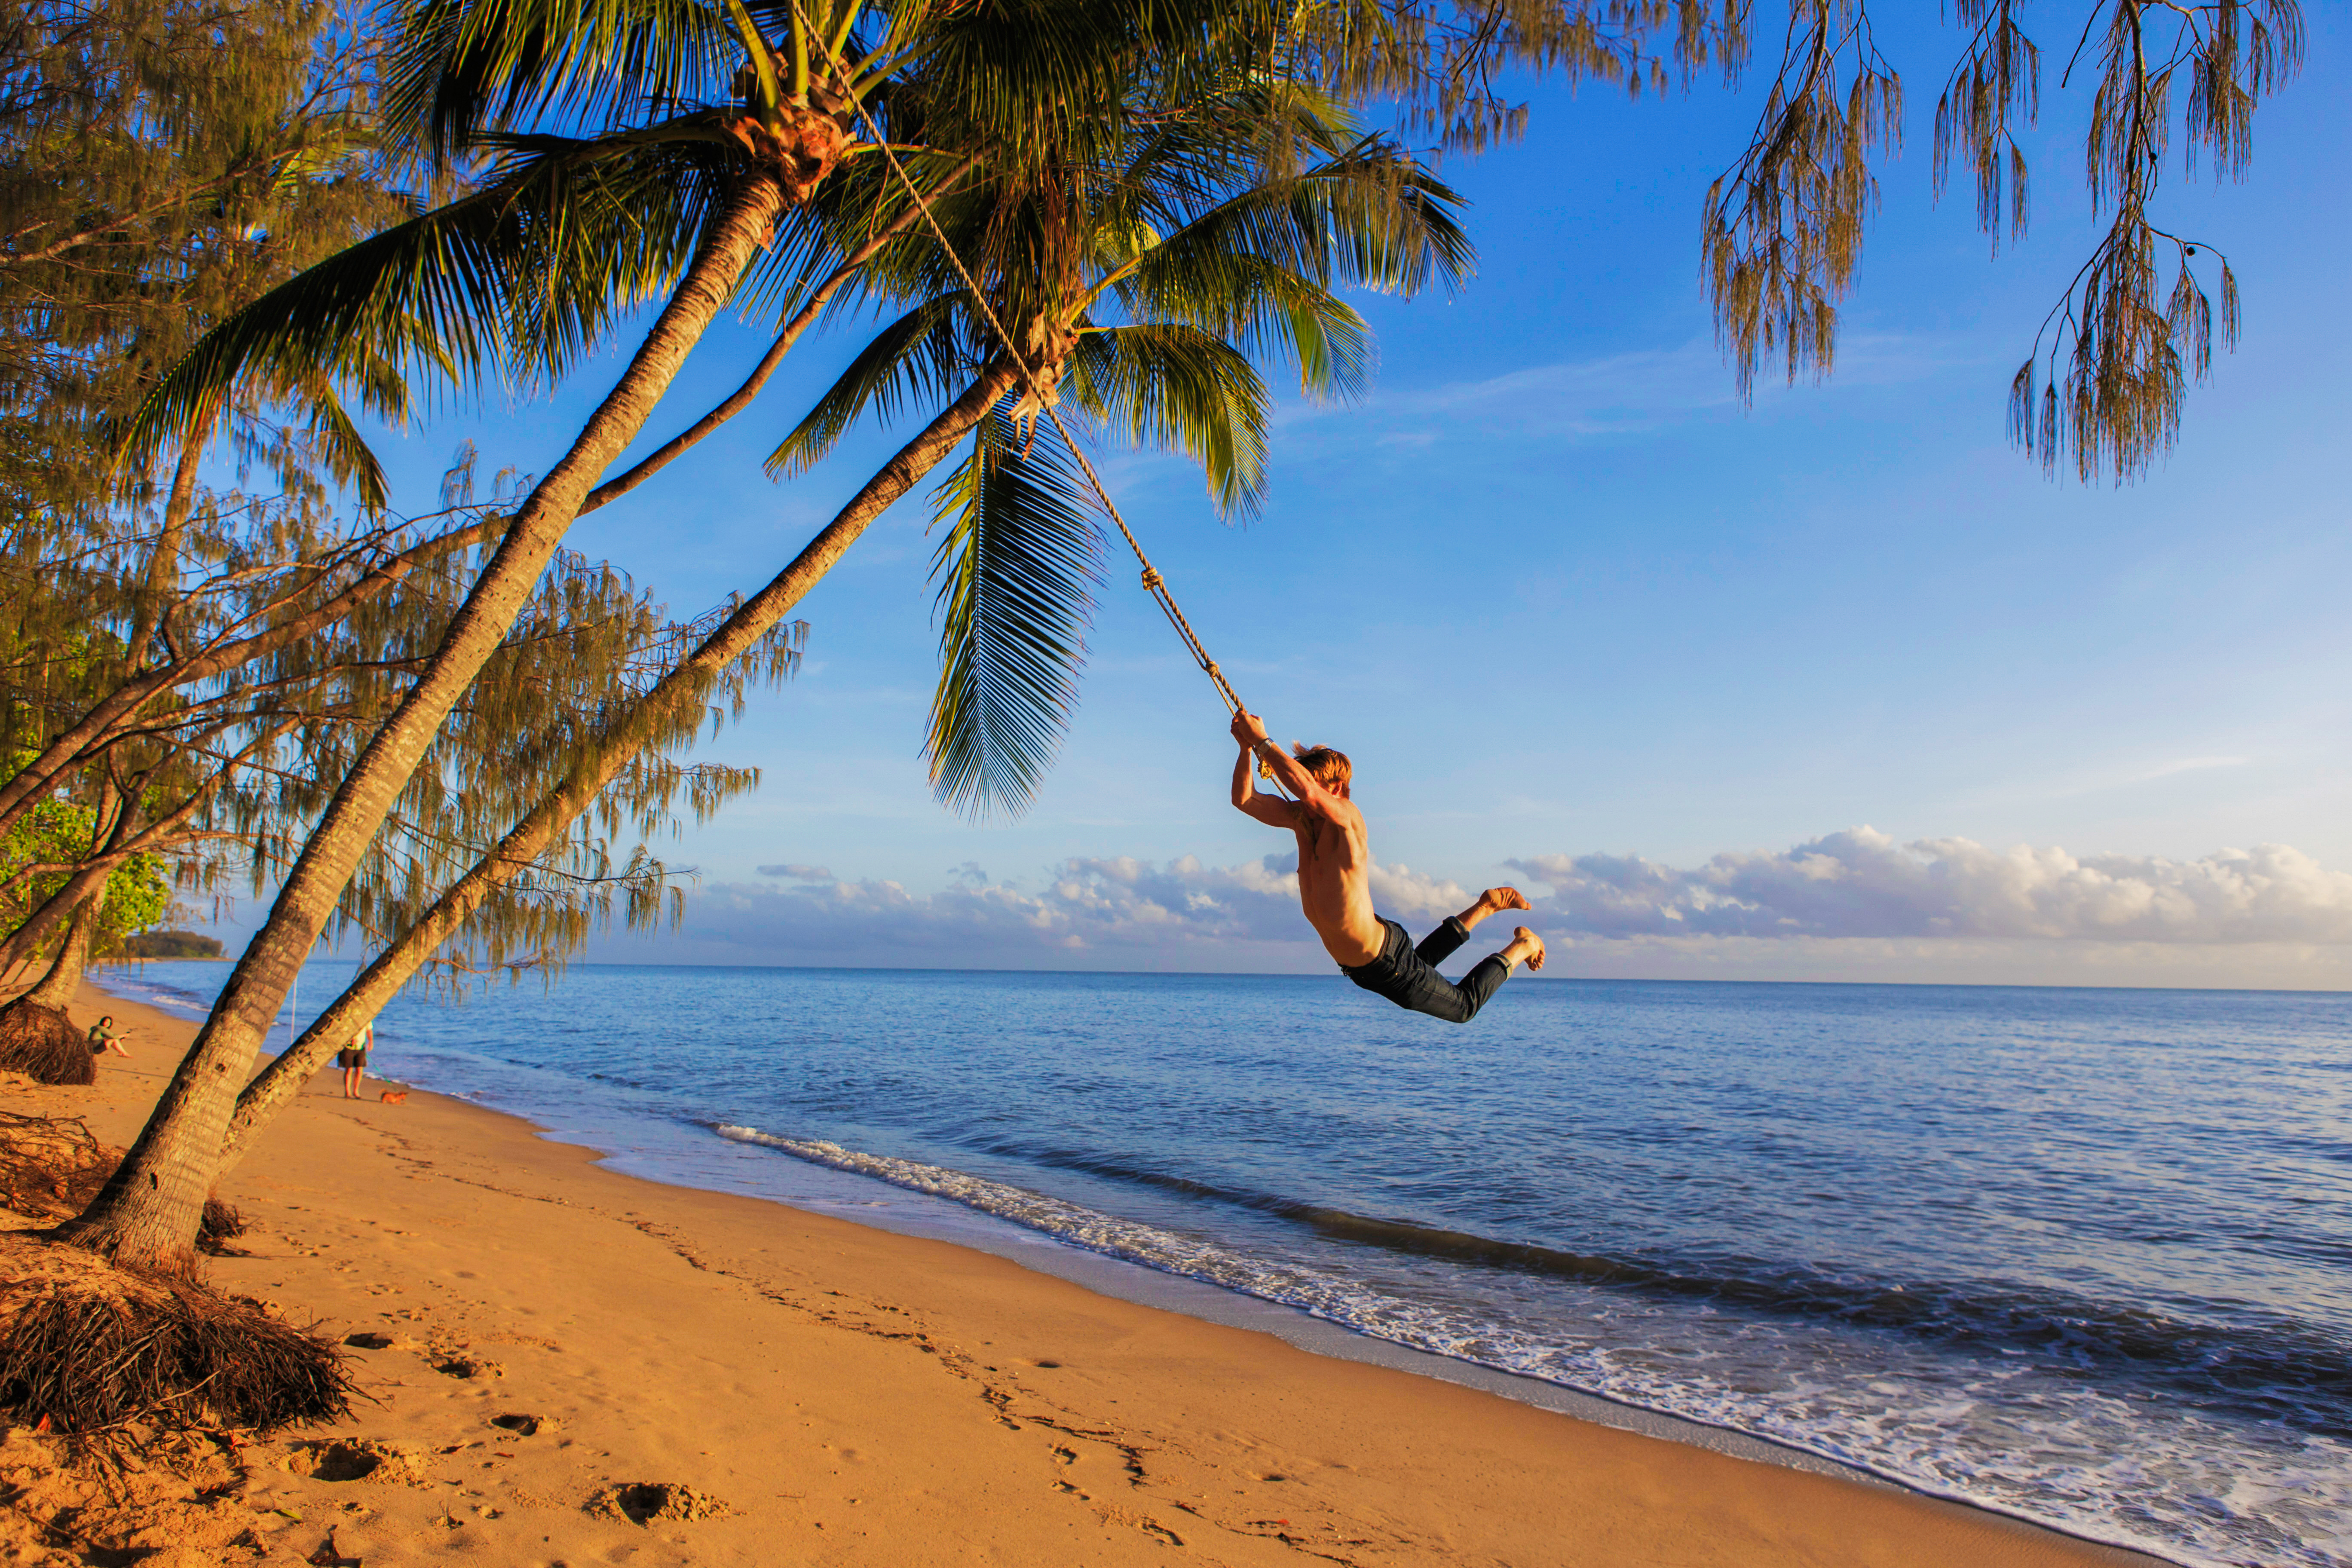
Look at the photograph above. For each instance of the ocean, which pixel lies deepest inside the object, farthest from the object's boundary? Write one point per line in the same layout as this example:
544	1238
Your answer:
2082	1256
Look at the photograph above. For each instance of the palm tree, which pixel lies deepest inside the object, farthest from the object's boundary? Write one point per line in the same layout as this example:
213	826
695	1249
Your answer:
1245	269
1201	245
708	129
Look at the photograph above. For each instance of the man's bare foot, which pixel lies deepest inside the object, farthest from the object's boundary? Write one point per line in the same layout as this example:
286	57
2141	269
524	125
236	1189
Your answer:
1493	902
1526	948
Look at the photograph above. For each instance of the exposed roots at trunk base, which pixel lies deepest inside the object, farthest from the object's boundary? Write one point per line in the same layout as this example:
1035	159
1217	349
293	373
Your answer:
52	1167
87	1348
42	1044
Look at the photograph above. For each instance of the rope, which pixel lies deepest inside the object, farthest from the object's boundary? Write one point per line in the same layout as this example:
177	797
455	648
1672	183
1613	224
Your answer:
1154	583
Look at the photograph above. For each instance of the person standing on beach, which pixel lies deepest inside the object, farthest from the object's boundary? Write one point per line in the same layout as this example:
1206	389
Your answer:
102	1039
352	1059
1335	867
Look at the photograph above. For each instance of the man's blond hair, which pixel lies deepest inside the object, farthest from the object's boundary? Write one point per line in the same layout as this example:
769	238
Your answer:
1329	768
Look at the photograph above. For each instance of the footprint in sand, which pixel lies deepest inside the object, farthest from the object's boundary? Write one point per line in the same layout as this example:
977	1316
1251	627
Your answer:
467	1366
520	1425
358	1459
643	1502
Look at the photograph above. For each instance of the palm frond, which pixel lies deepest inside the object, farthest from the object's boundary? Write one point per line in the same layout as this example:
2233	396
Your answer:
1015	570
345	452
1371	217
1264	308
465	66
519	277
1171	385
918	355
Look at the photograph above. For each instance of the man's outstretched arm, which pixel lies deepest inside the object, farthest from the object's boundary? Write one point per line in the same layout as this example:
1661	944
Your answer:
1270	809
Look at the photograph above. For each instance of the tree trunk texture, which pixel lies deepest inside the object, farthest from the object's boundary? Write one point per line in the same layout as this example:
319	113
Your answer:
674	704
58	987
149	1212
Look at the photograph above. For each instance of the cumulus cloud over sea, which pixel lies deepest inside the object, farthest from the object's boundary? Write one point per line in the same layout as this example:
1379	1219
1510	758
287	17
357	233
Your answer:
1118	903
1853	904
1863	883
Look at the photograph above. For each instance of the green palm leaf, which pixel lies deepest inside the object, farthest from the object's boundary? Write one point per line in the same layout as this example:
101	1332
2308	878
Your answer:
519	277
1372	217
464	66
1173	385
920	354
1015	571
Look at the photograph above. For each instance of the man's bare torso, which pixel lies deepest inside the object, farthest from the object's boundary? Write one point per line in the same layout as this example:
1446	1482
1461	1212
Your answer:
1335	878
1334	852
1334	885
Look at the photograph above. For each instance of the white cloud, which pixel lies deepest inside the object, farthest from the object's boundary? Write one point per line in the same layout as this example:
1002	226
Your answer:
1856	905
1181	913
2189	765
796	873
1863	884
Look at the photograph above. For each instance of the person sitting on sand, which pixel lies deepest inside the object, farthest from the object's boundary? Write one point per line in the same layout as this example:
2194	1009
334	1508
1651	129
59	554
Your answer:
352	1059
102	1039
1335	864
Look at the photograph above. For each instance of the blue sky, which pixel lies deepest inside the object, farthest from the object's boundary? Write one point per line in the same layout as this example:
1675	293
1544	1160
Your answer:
1559	594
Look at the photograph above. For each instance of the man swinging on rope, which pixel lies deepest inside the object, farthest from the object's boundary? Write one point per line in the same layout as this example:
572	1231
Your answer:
1335	864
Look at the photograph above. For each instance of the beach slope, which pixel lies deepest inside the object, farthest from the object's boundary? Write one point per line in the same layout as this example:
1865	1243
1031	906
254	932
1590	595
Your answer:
573	1366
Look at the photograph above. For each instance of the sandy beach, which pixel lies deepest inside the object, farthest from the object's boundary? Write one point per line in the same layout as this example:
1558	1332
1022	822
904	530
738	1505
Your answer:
574	1366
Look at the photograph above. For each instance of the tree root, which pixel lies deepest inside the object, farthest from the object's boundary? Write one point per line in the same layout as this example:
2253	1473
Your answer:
87	1348
52	1167
42	1044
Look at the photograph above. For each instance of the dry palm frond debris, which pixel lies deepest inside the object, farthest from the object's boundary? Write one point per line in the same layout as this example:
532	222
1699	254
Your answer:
87	1348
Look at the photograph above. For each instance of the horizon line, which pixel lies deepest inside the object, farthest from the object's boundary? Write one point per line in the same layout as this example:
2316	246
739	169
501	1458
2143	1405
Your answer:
120	962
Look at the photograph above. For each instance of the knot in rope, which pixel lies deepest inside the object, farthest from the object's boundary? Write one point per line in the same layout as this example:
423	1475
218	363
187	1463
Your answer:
1152	579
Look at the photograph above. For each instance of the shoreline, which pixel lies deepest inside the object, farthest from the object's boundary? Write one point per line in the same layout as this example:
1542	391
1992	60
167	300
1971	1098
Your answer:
1753	1500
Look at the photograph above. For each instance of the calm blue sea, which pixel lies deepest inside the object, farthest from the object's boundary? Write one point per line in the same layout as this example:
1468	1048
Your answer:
2083	1256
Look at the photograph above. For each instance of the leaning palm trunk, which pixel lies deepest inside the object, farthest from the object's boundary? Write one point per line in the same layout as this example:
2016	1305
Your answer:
672	707
150	1211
